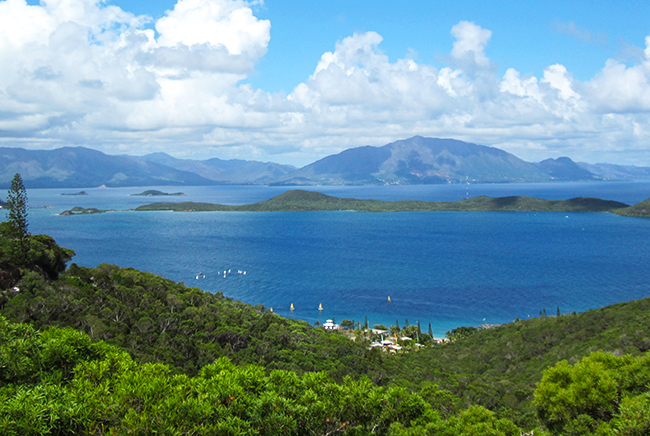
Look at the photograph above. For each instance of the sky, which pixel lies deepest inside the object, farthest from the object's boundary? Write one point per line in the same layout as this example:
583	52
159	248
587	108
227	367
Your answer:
292	82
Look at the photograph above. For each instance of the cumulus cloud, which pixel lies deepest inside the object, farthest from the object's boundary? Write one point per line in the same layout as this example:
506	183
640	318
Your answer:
356	90
81	72
230	24
470	43
77	71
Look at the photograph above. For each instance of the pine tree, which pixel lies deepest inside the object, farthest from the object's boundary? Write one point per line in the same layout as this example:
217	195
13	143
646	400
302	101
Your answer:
17	219
430	331
17	203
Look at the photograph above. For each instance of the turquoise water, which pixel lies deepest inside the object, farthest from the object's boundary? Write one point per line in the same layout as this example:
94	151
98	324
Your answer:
444	268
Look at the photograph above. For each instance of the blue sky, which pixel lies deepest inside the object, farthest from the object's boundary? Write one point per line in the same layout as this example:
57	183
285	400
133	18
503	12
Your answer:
292	82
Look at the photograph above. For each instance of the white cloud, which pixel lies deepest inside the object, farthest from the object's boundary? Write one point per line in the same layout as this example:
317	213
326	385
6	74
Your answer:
81	72
470	43
621	89
228	23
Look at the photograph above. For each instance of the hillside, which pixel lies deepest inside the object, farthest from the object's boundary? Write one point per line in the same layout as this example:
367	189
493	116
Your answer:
416	160
233	171
607	171
498	368
639	210
79	167
158	320
421	160
299	200
483	382
564	169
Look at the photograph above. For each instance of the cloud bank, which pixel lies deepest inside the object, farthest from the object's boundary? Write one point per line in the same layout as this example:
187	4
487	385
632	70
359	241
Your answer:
78	72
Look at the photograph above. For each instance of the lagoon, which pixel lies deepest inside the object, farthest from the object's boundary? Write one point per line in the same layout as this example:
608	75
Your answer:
444	268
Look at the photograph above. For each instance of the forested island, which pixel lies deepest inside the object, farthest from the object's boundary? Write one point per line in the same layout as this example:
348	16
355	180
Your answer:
112	350
156	193
300	200
82	211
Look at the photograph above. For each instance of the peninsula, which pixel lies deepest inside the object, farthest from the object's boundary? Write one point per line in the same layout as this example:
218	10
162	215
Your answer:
300	200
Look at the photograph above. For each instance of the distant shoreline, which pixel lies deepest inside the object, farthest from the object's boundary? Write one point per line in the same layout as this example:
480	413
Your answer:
300	200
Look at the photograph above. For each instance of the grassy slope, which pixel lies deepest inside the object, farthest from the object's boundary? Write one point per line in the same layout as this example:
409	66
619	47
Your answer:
298	200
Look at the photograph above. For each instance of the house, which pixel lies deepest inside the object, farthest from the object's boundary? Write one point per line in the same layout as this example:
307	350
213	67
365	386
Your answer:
329	325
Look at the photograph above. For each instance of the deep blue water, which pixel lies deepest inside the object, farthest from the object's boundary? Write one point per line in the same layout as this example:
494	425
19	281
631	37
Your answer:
444	268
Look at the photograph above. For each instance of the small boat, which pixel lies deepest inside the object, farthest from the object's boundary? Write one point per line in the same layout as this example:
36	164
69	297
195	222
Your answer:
291	306
320	307
389	298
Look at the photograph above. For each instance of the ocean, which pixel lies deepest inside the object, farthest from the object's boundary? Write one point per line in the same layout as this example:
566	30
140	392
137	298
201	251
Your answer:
447	269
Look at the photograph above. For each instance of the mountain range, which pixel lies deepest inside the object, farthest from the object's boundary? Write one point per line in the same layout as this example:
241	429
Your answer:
416	160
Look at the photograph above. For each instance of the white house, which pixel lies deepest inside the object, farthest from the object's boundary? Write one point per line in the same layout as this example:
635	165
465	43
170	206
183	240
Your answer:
329	325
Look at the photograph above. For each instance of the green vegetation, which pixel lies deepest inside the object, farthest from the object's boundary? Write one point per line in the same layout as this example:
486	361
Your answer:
58	381
158	320
639	210
21	252
16	226
603	394
109	350
82	211
499	367
156	193
299	200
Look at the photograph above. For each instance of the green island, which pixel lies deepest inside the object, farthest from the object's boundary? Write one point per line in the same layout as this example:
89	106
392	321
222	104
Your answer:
82	211
76	193
300	200
156	193
116	351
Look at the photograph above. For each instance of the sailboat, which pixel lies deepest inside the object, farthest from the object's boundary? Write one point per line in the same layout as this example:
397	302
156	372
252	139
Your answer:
291	306
389	298
320	307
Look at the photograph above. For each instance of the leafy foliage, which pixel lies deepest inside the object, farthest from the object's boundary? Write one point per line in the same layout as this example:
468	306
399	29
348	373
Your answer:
498	368
65	384
601	394
20	251
158	320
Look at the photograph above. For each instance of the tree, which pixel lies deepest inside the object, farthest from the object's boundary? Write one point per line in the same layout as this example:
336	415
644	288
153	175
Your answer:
585	397
460	333
17	202
16	228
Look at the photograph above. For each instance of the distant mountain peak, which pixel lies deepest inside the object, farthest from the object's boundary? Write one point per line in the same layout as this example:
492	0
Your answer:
565	169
